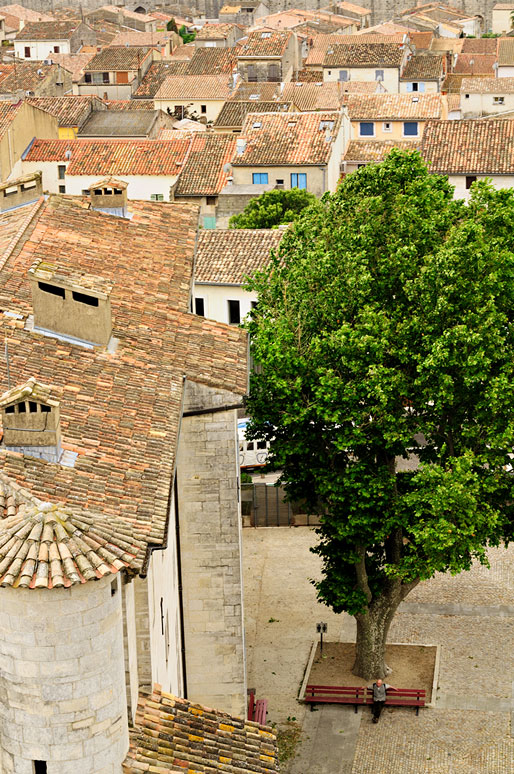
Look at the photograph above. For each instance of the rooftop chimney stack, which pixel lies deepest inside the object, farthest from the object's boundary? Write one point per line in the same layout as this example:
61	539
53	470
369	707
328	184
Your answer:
20	191
31	421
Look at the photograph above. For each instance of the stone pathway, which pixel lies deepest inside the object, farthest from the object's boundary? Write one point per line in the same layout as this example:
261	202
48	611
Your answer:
470	730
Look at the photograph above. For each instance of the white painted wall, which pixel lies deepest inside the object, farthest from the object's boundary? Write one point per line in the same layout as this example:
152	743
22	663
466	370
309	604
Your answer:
459	181
216	299
39	49
501	20
505	71
475	105
391	82
213	106
426	87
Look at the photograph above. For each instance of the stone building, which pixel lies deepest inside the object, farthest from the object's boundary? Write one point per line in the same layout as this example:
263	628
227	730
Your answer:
119	516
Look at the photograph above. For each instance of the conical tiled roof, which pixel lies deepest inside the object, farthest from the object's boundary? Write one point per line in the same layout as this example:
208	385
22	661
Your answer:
49	545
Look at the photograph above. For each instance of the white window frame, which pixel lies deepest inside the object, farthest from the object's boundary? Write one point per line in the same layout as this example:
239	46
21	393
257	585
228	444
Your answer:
387	126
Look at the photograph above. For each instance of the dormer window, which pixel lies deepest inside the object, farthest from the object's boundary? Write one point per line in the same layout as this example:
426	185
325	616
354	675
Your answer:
31	421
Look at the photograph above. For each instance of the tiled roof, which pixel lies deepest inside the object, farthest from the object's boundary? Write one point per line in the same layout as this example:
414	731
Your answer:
8	112
114	157
506	51
74	63
215	31
212	61
469	147
487	85
313	96
363	55
23	76
290	138
129	104
358	87
137	38
118	58
48	545
203	173
13	223
48	30
264	43
125	12
119	408
391	107
156	75
453	82
475	64
319	48
227	256
479	45
183	53
26	14
424	67
453	101
375	150
194	87
233	114
358	9
105	31
69	111
175	735
262	90
503	7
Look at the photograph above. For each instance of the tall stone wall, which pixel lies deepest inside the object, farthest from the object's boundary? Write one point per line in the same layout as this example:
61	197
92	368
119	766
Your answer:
62	681
210	542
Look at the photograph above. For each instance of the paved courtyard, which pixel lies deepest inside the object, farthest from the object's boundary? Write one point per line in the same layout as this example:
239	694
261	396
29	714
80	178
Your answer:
471	616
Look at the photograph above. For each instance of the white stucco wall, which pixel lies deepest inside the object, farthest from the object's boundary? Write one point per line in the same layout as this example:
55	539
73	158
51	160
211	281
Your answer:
216	299
391	82
62	681
429	87
505	71
501	21
213	106
475	105
39	49
499	181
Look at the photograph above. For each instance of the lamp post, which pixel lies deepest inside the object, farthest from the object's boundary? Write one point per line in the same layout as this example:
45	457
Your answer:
321	628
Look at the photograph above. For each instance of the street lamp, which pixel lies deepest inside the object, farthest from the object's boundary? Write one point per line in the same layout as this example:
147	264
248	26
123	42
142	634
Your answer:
321	628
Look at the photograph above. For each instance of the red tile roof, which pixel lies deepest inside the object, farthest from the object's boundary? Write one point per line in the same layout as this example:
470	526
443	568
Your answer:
216	31
469	147
288	138
48	30
264	44
227	256
375	150
424	67
69	111
206	87
393	107
203	173
118	58
8	113
233	113
313	96
212	61
114	157
363	55
156	75
475	64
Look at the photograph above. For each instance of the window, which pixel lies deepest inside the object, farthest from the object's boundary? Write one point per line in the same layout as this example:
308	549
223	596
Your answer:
105	77
83	298
299	180
387	126
499	100
266	35
62	189
359	166
156	197
379	75
259	178
366	129
209	221
251	73
470	179
22	408
410	128
87	77
9	409
416	86
203	108
27	52
466	96
61	171
257	125
32	407
234	312
53	289
56	49
40	767
279	182
211	201
326	125
200	307
273	72
343	75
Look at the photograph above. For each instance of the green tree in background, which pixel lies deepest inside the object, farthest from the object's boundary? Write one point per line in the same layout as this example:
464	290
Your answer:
172	26
273	208
385	334
186	36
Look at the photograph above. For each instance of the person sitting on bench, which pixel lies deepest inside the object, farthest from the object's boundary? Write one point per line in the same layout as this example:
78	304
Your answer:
379	697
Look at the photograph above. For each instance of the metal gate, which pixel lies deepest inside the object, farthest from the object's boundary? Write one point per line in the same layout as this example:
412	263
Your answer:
263	505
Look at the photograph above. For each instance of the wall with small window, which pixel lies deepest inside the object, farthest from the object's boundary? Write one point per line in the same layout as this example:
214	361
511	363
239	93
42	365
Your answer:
420	87
39	49
475	105
386	78
205	108
225	303
463	183
390	129
310	178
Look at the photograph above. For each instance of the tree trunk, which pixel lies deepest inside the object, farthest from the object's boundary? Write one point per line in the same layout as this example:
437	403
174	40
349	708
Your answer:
372	629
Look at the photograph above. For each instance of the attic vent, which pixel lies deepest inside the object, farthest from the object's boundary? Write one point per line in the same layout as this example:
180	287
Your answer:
326	125
265	34
31	421
257	125
110	196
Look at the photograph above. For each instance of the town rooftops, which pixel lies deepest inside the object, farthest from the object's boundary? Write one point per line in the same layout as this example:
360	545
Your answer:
283	139
176	735
423	67
24	76
487	85
48	30
227	256
391	107
73	63
505	52
473	64
313	96
469	147
8	113
69	111
114	157
479	45
205	170
453	82
118	58
156	75
212	61
24	14
363	55
114	9
216	31
264	44
190	87
261	90
233	114
119	406
119	123
352	8
375	150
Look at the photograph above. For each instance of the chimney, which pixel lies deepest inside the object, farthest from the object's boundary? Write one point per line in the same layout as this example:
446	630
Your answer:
109	195
31	421
20	191
70	303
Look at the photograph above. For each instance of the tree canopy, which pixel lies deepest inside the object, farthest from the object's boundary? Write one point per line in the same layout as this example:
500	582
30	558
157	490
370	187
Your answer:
273	208
385	334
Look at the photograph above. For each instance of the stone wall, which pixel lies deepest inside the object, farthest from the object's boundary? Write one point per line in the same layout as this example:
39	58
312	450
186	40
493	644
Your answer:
210	541
62	682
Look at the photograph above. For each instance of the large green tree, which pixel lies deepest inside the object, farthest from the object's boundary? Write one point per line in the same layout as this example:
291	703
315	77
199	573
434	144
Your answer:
385	334
273	208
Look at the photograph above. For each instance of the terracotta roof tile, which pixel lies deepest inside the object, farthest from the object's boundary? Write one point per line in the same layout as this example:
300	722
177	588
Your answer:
506	51
469	147
194	87
118	58
114	157
262	90
24	76
216	31
138	38
424	67
487	85
375	150
264	43
212	61
48	30
176	735
291	138
156	75
8	113
74	63
475	64
183	53
397	107
233	114
479	45
363	55
316	96
452	83
203	173
69	111
129	104
26	14
227	256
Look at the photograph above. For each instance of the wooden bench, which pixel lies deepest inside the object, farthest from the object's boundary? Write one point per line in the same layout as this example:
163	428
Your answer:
257	709
402	697
332	694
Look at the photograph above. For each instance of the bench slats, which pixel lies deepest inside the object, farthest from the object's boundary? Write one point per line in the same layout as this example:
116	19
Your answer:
344	694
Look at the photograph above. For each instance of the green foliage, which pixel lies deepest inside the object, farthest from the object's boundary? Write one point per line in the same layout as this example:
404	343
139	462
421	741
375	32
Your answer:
186	36
385	329
172	26
489	35
246	477
274	208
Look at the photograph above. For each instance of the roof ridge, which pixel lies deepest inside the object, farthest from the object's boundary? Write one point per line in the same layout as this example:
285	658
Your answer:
21	231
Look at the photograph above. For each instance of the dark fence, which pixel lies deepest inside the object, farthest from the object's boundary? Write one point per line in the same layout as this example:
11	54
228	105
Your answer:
263	505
